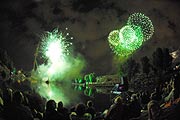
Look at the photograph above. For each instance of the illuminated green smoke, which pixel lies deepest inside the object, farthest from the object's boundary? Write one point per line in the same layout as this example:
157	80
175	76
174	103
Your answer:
55	48
59	67
52	91
129	38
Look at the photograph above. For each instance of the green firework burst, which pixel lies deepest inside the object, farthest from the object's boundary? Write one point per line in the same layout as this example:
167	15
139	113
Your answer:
140	20
130	37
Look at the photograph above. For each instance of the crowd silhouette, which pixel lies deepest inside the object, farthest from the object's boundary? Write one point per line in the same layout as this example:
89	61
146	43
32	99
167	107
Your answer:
160	103
16	105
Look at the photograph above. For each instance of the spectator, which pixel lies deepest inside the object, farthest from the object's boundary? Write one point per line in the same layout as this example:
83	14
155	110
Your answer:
145	99
1	107
61	109
117	111
51	113
134	107
80	113
90	109
16	110
7	96
156	95
153	110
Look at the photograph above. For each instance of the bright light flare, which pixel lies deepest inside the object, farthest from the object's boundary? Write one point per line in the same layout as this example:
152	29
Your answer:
55	48
54	52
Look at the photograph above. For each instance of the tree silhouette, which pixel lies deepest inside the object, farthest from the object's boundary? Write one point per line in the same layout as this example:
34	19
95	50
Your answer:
162	64
129	68
158	59
5	59
162	60
167	59
145	65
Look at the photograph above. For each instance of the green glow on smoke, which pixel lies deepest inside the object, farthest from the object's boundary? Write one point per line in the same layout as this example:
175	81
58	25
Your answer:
129	38
60	66
53	91
55	48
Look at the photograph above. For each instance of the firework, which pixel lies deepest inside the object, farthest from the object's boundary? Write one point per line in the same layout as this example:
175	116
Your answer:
129	38
124	41
54	45
140	20
55	48
59	66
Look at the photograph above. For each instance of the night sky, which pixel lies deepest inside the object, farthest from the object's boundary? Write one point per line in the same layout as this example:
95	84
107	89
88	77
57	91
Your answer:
89	22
